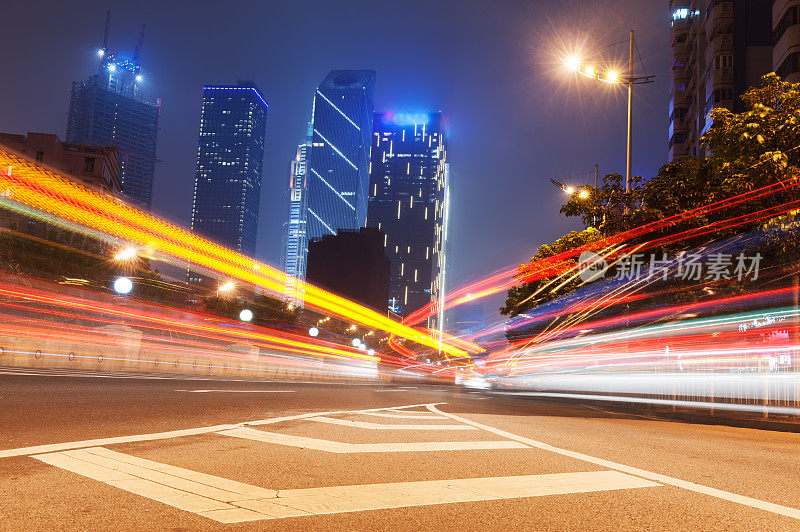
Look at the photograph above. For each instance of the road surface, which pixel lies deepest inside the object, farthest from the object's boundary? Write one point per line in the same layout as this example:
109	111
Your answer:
87	452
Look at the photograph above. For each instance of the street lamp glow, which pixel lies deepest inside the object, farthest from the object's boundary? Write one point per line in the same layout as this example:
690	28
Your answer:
573	62
246	315
589	71
612	76
583	194
569	190
101	52
123	285
356	342
139	78
313	331
226	286
126	254
112	67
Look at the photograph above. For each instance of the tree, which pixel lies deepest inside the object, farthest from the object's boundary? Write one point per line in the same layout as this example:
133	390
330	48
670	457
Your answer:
748	151
527	295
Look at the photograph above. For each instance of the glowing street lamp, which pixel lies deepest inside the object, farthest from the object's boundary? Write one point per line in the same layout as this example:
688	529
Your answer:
126	254
613	76
583	194
123	285
573	62
227	286
313	332
246	315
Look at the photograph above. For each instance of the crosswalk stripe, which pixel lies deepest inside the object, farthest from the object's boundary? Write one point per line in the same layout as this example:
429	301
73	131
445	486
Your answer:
381	426
227	501
340	447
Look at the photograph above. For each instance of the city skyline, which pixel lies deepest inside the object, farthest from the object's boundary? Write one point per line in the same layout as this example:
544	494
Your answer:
515	54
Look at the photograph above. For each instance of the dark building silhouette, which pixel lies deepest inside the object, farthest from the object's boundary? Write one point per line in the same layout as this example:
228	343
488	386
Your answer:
352	264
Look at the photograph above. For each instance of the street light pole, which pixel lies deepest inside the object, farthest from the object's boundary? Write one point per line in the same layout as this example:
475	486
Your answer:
574	64
630	114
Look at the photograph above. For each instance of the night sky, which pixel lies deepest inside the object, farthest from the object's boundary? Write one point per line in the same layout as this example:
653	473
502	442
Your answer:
515	117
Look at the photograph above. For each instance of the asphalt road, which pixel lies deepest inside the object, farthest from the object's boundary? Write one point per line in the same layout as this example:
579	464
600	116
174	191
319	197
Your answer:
180	454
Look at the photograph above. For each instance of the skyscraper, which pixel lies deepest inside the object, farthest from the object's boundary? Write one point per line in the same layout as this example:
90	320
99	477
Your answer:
295	241
230	155
408	201
338	163
109	109
719	49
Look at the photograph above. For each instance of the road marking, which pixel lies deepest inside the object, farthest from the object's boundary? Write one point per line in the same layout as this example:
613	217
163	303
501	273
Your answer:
381	426
664	479
53	447
401	416
237	391
227	501
341	447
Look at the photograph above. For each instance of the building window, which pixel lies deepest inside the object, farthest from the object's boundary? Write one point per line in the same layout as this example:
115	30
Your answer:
790	65
88	164
791	18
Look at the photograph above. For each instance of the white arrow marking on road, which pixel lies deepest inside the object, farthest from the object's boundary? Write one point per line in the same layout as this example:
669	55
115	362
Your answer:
227	501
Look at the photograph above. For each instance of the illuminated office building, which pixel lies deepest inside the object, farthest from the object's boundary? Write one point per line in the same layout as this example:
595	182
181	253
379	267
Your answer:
338	161
110	109
230	155
408	201
295	240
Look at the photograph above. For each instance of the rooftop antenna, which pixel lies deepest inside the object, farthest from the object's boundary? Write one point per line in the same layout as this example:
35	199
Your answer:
105	35
138	46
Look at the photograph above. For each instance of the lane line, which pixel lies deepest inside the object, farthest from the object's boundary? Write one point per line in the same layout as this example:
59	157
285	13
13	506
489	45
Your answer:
381	426
237	391
53	447
664	479
227	501
342	448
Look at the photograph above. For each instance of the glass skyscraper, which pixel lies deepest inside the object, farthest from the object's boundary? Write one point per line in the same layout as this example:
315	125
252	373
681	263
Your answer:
295	241
230	155
408	201
109	109
338	162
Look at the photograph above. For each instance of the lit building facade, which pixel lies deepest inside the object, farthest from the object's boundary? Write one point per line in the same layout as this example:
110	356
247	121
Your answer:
408	201
295	239
338	161
109	109
719	49
230	156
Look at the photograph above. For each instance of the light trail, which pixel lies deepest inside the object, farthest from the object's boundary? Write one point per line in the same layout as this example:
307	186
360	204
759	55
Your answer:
32	190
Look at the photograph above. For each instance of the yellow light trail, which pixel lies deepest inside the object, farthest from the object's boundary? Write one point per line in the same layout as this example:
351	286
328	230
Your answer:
24	185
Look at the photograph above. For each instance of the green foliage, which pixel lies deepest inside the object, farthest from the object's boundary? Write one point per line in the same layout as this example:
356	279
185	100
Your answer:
527	295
